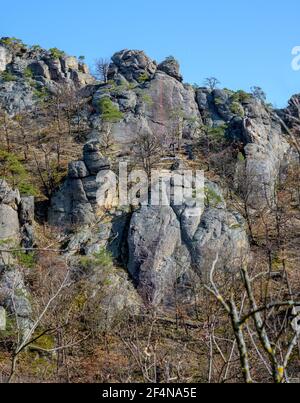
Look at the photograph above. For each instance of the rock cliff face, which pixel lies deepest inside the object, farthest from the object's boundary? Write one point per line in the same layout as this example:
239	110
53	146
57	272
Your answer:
74	203
154	100
260	131
160	248
152	97
266	148
16	231
161	255
26	73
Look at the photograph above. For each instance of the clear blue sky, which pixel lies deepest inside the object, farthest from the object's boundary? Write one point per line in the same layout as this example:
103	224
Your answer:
243	43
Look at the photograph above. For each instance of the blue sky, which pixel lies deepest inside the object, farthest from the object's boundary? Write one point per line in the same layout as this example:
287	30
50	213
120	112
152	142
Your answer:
242	43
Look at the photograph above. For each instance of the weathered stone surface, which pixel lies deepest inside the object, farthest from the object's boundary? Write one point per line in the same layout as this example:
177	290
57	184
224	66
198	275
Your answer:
250	122
73	203
70	205
167	244
40	69
223	233
170	100
8	195
69	63
171	67
155	108
5	58
111	294
265	151
153	236
2	319
290	114
134	65
93	158
127	101
26	214
80	79
83	68
202	96
47	73
118	299
16	94
16	229
9	222
77	170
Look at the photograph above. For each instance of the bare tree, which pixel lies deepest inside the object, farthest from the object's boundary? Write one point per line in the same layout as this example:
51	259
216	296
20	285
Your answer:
148	150
267	340
6	128
176	126
212	83
102	67
29	337
259	93
22	120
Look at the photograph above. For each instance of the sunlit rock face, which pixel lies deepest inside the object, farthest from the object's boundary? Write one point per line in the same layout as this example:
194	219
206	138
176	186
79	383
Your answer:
5	58
30	70
152	98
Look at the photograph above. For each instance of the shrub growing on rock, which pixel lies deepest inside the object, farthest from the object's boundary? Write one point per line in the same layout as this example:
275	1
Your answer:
109	112
143	78
56	53
7	76
237	109
14	172
13	43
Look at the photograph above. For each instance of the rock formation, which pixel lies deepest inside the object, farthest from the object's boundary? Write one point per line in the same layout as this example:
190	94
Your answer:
157	248
16	232
27	72
160	246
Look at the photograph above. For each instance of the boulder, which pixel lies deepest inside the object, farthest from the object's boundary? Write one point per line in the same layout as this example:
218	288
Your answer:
153	236
133	65
9	223
93	158
171	67
73	202
77	170
40	69
70	205
219	232
15	95
26	213
69	63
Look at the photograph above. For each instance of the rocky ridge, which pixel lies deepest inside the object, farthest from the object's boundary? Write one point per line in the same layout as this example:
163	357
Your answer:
27	73
159	248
